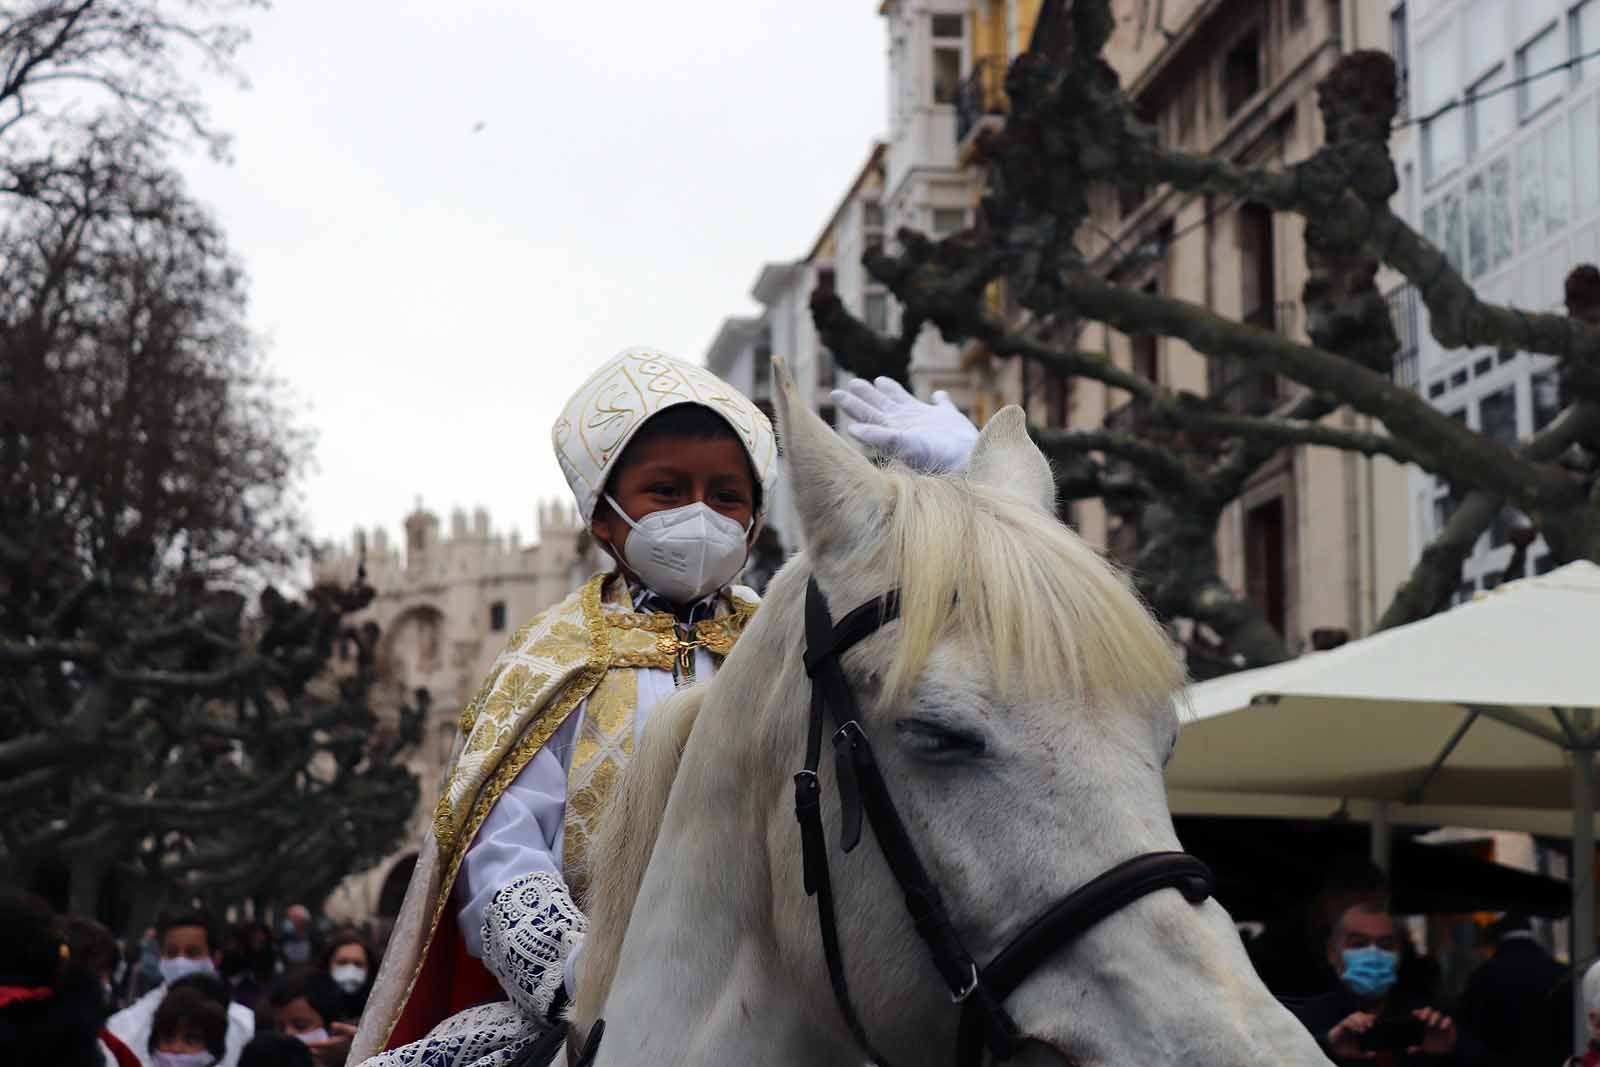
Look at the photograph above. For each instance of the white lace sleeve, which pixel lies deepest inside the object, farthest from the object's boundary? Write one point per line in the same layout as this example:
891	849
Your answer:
529	929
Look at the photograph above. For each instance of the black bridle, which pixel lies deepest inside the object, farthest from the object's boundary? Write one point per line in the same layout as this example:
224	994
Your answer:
980	991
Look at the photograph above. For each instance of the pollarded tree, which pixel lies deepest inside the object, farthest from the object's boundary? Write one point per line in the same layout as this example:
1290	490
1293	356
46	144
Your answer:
1170	461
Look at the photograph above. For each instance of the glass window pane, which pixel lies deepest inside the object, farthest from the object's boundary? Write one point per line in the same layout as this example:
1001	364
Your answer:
1539	55
1477	228
1438	69
1444	144
1453	236
1497	415
1558	177
1532	14
946	75
1586	153
947	25
1430	223
1501	240
1530	176
1493	114
1546	398
1486	35
1586	38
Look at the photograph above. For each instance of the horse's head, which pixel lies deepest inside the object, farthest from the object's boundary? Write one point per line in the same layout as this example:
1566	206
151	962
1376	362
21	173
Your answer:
1021	711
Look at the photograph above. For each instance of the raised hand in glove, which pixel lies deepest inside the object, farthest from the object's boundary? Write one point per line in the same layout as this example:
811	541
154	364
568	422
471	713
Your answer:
934	437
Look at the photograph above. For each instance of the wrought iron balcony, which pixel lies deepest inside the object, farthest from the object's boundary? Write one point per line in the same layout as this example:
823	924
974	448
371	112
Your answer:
981	95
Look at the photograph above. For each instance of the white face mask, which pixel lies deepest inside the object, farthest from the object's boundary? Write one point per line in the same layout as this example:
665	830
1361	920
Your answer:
684	553
178	967
349	976
182	1059
313	1037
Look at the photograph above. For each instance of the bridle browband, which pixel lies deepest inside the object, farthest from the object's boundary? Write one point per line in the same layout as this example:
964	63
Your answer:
980	991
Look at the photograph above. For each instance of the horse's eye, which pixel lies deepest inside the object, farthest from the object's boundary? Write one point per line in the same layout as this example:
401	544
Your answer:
938	740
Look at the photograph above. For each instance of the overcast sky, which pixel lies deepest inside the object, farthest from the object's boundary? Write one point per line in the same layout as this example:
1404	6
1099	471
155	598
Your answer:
451	212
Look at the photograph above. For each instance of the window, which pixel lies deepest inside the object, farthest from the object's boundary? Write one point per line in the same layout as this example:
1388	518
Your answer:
1539	55
875	310
1241	72
1264	556
1584	39
1546	398
1146	357
947	34
948	220
1439	76
497	616
1497	416
1501	227
1453	245
872	225
1477	228
1557	178
1491	111
1297	14
1530	178
1400	49
1486	35
1586	156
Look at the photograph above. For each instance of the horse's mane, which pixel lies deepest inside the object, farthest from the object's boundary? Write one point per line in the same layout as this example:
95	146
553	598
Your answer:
623	842
1047	610
1054	616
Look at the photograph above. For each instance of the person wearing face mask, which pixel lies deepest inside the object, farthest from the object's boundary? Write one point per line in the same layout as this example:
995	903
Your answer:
671	469
1369	1019
184	940
347	958
307	1006
189	1029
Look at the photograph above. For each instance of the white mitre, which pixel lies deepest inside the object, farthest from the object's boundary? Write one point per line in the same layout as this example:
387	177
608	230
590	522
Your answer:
619	398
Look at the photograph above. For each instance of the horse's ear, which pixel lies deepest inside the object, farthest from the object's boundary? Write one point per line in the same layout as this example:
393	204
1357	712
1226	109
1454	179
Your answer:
839	495
1005	458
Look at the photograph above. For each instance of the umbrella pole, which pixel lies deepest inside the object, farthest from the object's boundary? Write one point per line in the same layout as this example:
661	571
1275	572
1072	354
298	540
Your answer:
1382	836
1582	877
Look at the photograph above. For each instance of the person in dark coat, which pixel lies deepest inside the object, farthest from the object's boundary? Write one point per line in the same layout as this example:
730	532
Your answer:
1364	949
1516	1003
49	1013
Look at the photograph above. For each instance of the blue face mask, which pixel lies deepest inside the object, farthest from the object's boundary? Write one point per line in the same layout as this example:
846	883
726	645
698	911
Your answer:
1369	972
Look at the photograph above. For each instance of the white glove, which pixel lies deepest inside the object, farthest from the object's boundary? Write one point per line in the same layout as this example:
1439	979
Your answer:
932	437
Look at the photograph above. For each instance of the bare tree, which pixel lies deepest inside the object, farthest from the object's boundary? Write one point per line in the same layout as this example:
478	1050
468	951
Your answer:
1170	460
168	725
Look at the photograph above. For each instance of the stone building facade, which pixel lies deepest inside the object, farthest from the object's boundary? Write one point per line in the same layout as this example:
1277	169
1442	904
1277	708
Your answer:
447	601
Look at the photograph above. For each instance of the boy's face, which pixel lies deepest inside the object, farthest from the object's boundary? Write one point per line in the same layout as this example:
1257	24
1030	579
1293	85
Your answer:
188	942
674	472
298	1017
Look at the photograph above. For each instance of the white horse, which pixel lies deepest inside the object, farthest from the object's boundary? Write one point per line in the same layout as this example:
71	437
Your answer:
1021	710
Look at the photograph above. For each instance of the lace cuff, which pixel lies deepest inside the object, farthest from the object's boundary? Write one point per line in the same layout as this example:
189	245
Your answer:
529	929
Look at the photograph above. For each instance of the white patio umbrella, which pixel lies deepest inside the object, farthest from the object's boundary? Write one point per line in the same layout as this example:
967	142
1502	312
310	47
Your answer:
1483	716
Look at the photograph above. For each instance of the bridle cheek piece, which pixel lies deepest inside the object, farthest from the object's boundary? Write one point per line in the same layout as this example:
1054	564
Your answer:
979	991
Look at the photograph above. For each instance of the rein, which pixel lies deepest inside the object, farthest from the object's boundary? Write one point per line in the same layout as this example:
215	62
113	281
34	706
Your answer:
979	991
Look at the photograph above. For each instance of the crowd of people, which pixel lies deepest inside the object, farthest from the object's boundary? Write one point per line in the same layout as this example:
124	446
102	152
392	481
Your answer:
182	996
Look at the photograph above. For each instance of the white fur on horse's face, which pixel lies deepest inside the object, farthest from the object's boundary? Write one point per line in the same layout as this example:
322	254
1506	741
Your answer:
1015	792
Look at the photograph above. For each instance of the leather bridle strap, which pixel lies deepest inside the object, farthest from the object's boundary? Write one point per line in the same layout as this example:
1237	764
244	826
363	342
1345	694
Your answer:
980	992
1074	915
825	643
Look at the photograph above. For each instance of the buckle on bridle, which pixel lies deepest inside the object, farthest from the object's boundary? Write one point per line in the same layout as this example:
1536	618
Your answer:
959	996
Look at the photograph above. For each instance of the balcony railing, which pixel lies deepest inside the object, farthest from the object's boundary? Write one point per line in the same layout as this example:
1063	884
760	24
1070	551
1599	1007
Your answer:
1404	308
982	94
